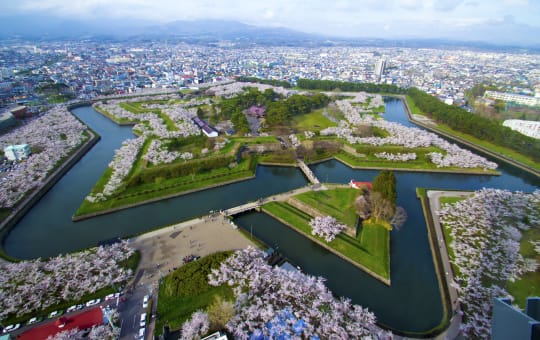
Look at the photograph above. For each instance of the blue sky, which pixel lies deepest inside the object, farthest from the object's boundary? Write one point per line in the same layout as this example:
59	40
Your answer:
496	20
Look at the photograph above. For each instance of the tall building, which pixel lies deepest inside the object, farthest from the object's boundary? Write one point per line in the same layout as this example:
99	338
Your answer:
379	68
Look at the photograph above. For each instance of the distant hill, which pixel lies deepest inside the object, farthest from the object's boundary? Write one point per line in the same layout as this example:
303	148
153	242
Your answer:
205	32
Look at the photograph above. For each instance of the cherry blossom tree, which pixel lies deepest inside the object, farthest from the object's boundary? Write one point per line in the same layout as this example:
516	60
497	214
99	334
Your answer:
30	286
195	327
326	227
486	231
267	296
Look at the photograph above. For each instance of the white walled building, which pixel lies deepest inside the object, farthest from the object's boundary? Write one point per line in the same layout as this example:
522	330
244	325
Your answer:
527	127
17	152
512	97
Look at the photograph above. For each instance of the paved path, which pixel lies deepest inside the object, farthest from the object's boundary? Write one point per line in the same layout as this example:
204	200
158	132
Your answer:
434	201
162	251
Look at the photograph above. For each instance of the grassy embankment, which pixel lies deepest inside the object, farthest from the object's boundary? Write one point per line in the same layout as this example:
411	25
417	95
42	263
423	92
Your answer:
529	284
473	140
316	121
186	290
370	250
421	163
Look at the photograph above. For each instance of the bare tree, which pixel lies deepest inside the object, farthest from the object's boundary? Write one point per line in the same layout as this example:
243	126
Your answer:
363	206
381	208
399	218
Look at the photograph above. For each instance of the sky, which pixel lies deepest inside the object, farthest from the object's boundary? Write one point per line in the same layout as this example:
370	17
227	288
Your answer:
484	20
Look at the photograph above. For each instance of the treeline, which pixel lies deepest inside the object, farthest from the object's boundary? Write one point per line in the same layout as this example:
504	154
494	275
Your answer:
277	110
273	82
179	170
330	85
280	112
480	127
385	184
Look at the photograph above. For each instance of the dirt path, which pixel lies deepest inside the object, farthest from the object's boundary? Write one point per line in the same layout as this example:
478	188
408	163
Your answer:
163	250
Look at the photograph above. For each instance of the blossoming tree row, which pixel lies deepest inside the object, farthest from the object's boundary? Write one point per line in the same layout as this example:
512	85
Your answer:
404	136
53	135
31	286
272	302
486	230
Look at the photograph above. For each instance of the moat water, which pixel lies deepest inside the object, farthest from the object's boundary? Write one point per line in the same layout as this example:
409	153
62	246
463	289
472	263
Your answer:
411	304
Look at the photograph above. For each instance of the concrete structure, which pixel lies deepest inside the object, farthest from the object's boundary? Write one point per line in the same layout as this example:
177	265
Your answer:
527	127
510	323
17	152
512	97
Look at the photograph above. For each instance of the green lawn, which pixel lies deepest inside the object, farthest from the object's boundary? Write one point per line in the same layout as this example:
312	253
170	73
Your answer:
171	186
313	121
138	108
492	147
338	203
370	250
471	139
186	290
414	109
529	284
421	162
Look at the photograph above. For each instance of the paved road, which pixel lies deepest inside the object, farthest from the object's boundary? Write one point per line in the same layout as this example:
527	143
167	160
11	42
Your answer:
434	201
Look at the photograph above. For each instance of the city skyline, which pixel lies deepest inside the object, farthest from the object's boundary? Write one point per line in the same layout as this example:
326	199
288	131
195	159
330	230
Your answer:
500	22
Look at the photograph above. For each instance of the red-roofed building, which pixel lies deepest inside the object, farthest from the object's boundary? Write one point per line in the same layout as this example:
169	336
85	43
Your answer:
360	185
87	319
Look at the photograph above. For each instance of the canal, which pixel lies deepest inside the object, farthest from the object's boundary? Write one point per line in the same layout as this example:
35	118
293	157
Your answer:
411	304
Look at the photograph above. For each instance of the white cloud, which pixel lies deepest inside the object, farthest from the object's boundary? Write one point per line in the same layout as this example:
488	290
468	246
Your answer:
338	17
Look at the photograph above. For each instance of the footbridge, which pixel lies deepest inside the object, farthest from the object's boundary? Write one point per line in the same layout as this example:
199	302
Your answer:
307	171
258	203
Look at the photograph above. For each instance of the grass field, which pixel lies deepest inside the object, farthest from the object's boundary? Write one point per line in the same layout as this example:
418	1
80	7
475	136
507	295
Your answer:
137	108
186	290
313	121
471	139
167	187
338	203
421	162
370	250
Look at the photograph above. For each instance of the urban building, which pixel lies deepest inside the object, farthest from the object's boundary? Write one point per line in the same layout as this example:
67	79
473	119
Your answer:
17	152
514	98
527	127
510	323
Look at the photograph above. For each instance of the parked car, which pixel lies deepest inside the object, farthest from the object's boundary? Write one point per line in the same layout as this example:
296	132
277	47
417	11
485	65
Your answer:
34	320
143	320
11	328
93	302
71	309
55	314
141	333
145	301
109	297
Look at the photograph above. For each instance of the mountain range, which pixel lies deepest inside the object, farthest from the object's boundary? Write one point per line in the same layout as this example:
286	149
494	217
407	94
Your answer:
205	32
